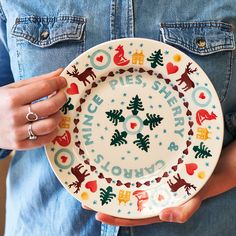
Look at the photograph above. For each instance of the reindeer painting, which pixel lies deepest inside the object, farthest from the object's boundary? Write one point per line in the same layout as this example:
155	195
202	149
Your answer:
82	76
185	78
180	183
76	171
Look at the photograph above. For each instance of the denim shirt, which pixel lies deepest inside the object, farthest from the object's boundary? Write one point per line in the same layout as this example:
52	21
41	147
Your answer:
39	36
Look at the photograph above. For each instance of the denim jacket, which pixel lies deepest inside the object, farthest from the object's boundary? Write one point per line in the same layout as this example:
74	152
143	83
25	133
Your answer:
39	36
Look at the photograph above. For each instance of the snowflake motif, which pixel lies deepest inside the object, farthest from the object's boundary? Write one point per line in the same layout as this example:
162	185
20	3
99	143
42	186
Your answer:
133	124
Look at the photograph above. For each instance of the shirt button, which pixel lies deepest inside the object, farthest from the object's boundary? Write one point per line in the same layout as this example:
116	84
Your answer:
44	35
201	42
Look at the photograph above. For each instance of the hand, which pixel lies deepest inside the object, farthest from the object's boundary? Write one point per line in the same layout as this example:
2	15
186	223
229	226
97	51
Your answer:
223	179
15	99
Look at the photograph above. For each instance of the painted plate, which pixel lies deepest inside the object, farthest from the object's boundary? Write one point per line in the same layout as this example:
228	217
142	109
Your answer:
142	128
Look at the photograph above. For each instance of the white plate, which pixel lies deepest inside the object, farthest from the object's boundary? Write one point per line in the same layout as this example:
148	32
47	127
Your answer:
142	128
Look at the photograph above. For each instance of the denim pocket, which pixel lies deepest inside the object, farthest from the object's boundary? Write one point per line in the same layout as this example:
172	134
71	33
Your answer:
46	31
210	44
47	41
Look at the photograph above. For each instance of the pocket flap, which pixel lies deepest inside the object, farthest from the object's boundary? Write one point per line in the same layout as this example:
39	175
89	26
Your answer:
202	38
46	31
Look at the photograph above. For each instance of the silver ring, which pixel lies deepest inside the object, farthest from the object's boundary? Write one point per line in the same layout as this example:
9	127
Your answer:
31	134
31	116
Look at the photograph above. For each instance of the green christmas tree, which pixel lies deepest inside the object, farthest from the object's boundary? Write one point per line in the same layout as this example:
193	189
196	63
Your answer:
142	142
135	105
156	59
202	151
115	116
106	195
118	138
152	120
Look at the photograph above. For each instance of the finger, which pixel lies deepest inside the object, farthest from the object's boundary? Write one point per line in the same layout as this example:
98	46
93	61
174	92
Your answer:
43	108
34	91
86	208
40	127
40	141
181	213
125	222
36	78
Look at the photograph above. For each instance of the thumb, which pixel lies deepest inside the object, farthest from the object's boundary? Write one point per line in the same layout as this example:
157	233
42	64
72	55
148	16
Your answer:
181	213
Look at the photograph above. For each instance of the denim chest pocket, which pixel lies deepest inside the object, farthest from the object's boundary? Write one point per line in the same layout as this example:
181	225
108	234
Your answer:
210	44
60	39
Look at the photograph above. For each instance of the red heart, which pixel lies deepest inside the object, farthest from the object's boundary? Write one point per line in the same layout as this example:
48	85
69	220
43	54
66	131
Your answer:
92	168
128	184
92	186
180	160
158	179
81	152
190	168
185	151
73	89
188	143
119	183
138	184
100	58
108	180
165	174
174	168
190	132
171	69
64	159
202	95
133	125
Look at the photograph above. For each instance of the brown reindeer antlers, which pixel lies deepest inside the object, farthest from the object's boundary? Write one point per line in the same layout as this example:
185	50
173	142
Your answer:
188	186
190	71
74	72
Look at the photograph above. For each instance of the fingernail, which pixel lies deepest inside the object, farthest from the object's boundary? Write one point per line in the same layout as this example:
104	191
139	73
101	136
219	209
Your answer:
169	216
63	81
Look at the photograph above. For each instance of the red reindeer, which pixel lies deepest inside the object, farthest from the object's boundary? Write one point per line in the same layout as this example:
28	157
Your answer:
185	78
79	176
82	76
119	58
180	183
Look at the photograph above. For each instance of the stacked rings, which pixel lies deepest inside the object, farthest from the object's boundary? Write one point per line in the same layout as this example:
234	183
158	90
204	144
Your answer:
31	117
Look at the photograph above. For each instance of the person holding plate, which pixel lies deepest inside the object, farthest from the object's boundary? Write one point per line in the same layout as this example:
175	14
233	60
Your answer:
38	38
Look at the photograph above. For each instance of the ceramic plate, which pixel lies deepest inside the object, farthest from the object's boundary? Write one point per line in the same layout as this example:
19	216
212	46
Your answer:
142	128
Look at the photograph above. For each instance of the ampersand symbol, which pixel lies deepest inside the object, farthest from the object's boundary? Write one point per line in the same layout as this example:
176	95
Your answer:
173	147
